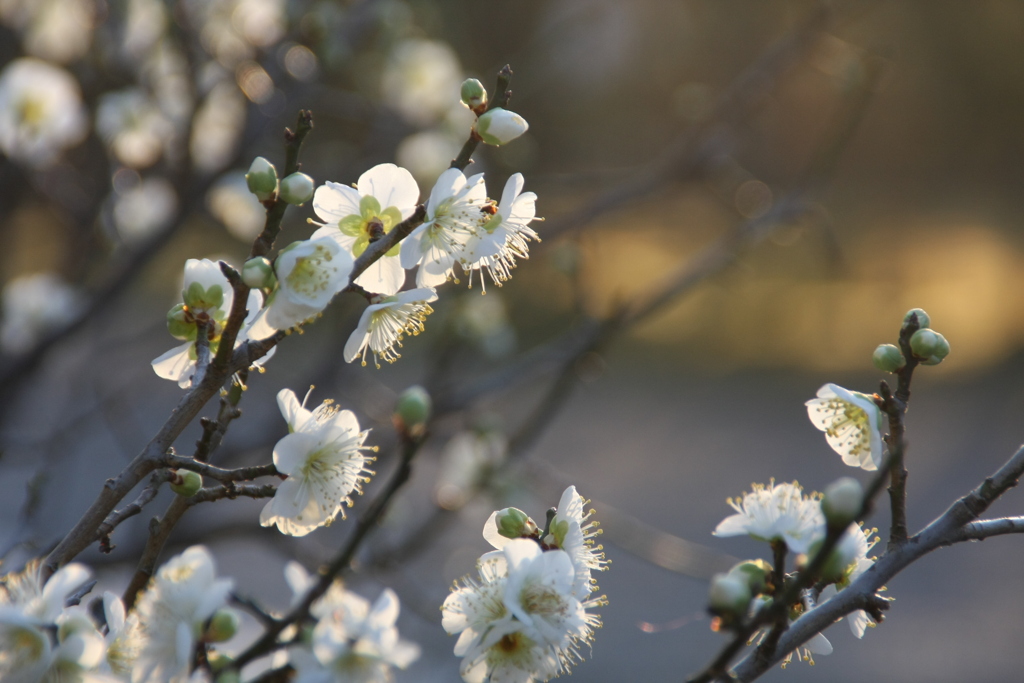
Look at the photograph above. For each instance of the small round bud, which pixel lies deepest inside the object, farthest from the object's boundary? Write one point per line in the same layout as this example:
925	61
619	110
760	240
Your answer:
922	318
474	94
190	483
180	324
514	523
931	360
754	572
728	595
262	179
413	407
924	343
888	358
223	626
229	677
258	273
842	501
500	126
297	189
942	347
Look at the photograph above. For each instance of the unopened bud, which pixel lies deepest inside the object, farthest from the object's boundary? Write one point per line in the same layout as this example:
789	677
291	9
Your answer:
754	572
199	299
888	358
179	325
728	595
942	347
223	626
842	556
924	343
262	179
474	94
931	360
258	273
297	189
842	501
413	407
229	677
922	318
500	126
514	523
189	484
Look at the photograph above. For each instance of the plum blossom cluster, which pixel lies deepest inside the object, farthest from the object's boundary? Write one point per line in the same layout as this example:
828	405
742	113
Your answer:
527	613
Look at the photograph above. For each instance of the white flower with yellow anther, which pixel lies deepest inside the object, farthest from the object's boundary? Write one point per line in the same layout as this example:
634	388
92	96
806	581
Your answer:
816	645
324	460
776	513
41	111
172	612
853	548
454	215
504	236
852	423
383	325
384	197
133	126
309	274
122	637
34	305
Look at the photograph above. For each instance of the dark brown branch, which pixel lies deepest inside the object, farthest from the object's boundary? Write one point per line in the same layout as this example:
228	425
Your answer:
230	491
380	247
127	512
220	474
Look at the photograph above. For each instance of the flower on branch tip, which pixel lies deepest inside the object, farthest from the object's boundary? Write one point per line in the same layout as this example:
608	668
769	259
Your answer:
504	236
383	325
852	553
41	111
500	126
455	213
852	423
384	196
776	512
324	460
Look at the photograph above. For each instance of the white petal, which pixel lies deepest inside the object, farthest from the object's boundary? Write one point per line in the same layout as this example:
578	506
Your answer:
491	534
385	276
176	365
291	452
819	645
447	185
292	411
412	248
392	186
358	339
385	611
334	201
734	525
513	186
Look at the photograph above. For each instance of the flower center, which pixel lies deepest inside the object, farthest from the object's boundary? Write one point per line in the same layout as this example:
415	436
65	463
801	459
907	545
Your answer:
309	276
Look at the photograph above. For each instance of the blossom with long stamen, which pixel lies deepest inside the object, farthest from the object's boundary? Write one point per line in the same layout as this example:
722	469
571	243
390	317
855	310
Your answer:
818	644
853	548
504	236
776	512
852	423
383	325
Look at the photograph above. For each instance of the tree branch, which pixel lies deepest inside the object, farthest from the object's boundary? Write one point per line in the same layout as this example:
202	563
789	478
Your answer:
500	99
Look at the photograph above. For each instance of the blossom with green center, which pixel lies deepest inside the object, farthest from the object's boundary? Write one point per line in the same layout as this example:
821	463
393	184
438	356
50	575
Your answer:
41	111
455	213
776	513
383	325
324	460
852	423
503	237
384	196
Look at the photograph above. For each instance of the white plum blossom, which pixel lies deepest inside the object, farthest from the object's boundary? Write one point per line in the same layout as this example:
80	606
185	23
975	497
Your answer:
122	637
500	126
467	460
383	325
54	30
171	613
776	512
309	274
818	644
421	79
231	202
503	237
323	458
852	423
133	126
34	305
384	196
853	548
455	212
41	111
144	210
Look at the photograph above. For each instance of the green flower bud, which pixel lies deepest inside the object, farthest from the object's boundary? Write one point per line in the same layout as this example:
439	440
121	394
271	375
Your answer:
474	94
888	358
842	501
931	360
500	126
922	318
223	626
190	482
297	189
754	573
514	523
941	348
728	595
258	273
229	677
413	407
180	324
924	343
262	179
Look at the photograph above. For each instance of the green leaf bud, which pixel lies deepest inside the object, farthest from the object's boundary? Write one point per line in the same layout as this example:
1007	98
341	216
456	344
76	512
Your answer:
888	358
500	126
922	318
262	179
223	626
842	501
755	573
297	189
188	483
514	523
180	324
728	595
413	407
474	94
258	273
924	343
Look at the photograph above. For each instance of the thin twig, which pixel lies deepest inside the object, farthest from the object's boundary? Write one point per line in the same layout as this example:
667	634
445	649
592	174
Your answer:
502	93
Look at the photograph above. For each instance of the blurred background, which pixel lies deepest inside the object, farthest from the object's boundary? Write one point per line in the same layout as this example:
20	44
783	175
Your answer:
813	172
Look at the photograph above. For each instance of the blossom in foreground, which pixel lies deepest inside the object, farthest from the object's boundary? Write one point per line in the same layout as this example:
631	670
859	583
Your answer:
309	274
454	215
323	458
34	305
384	197
41	111
776	512
852	423
383	325
853	548
122	637
504	237
171	614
